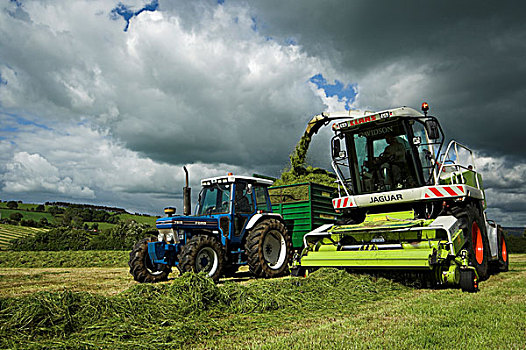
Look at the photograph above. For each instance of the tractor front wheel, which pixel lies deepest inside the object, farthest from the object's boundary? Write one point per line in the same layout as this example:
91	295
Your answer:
269	248
142	268
202	253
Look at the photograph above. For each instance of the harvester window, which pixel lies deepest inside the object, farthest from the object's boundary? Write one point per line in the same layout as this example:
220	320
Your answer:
383	159
424	149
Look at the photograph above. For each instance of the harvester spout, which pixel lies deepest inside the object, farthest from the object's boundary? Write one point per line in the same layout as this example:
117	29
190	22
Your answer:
315	124
187	192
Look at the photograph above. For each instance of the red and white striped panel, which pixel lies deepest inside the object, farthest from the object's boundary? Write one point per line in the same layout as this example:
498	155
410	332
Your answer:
444	191
343	202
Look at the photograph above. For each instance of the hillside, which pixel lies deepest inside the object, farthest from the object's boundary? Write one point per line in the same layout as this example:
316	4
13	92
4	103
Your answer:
22	219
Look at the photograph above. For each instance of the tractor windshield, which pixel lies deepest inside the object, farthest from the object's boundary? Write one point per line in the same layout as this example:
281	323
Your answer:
214	199
384	157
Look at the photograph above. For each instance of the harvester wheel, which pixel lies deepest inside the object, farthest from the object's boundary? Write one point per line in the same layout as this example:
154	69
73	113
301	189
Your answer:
142	268
503	252
202	253
468	282
269	249
477	241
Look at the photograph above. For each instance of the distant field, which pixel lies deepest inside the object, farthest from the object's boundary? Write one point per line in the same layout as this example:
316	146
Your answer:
149	220
28	215
9	232
22	206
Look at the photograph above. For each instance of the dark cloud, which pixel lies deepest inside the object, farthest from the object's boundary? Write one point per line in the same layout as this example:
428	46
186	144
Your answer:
472	53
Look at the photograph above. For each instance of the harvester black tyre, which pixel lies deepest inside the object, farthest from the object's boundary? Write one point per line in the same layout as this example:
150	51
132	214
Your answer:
477	240
269	249
467	281
503	262
142	268
202	253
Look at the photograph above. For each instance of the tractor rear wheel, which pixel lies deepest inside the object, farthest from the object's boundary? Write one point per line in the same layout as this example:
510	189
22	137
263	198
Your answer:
477	240
142	268
202	253
269	248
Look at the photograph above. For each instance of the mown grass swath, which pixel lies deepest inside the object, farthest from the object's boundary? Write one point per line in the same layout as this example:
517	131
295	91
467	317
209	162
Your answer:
189	310
329	309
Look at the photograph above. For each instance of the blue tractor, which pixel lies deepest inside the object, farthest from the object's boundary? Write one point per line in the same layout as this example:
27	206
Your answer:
233	225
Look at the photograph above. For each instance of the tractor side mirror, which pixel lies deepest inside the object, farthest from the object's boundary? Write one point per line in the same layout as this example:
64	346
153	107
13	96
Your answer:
432	128
336	148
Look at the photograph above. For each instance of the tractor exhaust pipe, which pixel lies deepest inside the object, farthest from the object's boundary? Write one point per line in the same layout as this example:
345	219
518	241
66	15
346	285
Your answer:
187	193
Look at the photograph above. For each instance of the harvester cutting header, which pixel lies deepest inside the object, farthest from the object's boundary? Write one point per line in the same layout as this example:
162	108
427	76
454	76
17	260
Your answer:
406	203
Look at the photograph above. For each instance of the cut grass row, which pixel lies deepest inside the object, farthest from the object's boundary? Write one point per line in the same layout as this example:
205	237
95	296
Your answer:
185	312
329	310
9	232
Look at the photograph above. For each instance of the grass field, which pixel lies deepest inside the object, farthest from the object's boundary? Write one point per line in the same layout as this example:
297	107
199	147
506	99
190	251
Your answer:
74	259
330	309
27	215
9	232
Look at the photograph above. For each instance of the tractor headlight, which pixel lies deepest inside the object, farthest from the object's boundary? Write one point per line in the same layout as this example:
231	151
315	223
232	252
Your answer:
168	235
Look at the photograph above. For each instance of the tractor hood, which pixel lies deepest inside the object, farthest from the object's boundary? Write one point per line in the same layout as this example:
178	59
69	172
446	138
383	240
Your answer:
190	222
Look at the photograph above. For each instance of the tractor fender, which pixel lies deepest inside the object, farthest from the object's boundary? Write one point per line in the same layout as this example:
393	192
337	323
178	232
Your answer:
258	217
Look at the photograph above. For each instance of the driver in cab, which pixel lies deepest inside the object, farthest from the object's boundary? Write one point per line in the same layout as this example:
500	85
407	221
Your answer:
395	151
392	160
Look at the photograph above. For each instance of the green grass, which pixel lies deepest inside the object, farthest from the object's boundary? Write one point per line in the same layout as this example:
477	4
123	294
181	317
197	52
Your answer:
149	220
22	206
330	309
9	232
78	259
27	210
28	215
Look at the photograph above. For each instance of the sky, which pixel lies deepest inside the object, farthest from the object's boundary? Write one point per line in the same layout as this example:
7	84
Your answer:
103	102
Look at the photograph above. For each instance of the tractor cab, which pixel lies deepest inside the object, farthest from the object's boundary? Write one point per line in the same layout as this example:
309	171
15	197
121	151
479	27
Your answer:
386	151
233	199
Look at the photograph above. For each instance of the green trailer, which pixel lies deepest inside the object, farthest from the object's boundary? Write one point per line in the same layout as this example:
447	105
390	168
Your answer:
304	207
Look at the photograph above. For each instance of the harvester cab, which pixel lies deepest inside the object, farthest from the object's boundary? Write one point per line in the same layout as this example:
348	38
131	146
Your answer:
233	225
407	204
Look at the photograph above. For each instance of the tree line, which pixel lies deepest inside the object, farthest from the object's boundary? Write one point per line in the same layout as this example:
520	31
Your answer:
73	216
121	237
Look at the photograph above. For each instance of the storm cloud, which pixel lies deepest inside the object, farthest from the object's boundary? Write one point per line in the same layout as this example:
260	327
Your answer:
111	98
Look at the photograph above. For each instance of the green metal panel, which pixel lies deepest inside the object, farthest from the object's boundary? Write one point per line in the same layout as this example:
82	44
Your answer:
385	259
304	207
